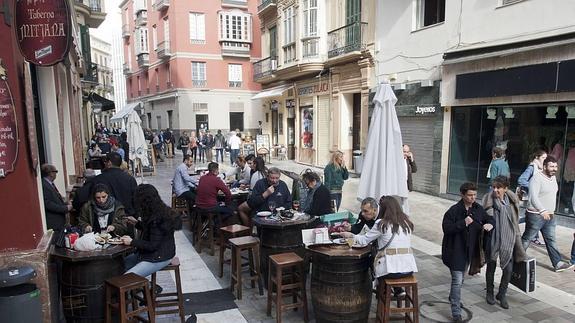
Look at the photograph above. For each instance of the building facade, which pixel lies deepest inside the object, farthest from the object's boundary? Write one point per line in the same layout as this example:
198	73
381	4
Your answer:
188	63
317	69
476	77
102	57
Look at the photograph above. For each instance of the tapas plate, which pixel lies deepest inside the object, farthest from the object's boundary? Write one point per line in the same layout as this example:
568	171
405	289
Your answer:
339	241
115	241
264	213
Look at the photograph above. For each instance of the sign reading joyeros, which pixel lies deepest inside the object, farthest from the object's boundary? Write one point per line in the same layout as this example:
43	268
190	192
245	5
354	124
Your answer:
8	127
43	30
425	110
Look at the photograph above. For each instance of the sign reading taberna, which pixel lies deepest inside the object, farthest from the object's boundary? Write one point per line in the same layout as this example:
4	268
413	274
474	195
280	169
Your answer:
43	30
8	127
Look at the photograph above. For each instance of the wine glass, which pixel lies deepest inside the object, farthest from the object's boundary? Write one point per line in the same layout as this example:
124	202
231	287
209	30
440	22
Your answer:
272	206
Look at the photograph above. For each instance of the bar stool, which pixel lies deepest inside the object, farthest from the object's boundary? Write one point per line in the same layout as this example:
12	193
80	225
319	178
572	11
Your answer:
252	245
172	299
295	285
179	204
384	308
226	233
209	221
122	285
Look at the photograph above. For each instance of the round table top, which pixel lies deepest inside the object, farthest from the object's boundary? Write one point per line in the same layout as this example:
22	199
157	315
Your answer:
340	251
265	222
112	251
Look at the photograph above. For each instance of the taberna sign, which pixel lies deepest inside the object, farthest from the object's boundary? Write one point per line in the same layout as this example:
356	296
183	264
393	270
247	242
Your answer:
43	30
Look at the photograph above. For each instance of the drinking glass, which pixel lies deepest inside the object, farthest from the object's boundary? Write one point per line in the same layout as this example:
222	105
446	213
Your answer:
272	206
295	205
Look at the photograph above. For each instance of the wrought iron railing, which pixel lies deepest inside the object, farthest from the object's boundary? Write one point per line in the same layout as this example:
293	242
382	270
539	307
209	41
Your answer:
265	3
143	60
310	47
91	74
199	83
265	67
346	39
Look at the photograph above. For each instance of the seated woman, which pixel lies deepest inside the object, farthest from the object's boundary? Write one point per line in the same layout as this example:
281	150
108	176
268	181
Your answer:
94	151
366	218
318	200
102	213
392	230
258	166
156	246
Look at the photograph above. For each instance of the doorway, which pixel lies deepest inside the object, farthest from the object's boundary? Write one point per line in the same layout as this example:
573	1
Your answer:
356	123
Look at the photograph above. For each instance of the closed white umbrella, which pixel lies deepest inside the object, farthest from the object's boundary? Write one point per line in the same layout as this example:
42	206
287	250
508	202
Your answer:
384	170
136	140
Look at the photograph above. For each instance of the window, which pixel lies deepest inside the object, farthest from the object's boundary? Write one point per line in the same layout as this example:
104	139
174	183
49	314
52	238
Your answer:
281	123
197	28
170	119
309	18
235	75
157	70
198	74
155	37
506	2
168	76
237	120
141	43
289	49
235	26
430	12
202	121
166	30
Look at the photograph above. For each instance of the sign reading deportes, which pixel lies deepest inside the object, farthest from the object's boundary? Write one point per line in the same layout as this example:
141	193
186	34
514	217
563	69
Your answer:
43	30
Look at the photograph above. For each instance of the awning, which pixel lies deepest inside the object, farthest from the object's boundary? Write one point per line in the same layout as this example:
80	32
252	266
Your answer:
125	111
268	93
104	103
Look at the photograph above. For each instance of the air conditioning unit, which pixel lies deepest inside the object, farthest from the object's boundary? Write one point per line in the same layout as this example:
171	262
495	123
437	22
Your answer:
427	83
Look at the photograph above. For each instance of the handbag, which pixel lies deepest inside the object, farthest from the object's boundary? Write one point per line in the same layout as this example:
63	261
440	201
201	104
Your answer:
378	265
523	276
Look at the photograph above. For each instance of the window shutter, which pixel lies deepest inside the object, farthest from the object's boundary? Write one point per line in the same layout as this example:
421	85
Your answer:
323	133
193	29
201	19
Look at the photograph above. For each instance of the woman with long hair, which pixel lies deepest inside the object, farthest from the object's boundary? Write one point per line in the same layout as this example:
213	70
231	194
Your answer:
335	173
522	191
193	145
259	171
102	213
156	246
392	230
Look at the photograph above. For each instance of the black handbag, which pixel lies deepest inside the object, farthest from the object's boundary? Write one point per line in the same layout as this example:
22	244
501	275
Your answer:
523	276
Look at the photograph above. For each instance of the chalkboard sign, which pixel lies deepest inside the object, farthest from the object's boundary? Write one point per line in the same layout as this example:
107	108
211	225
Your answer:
263	141
249	148
151	168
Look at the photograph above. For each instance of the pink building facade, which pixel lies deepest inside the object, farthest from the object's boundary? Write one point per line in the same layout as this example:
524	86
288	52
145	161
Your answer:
188	64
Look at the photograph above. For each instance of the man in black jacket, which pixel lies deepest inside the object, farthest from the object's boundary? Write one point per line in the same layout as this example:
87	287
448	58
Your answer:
54	204
318	201
462	225
121	184
366	218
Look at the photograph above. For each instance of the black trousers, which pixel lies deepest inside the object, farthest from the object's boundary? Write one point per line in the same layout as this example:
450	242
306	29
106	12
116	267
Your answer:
505	277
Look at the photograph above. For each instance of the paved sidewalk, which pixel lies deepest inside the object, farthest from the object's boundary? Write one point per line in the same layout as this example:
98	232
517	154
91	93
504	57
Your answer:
209	296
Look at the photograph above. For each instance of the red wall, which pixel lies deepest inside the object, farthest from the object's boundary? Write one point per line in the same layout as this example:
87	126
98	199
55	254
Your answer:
20	217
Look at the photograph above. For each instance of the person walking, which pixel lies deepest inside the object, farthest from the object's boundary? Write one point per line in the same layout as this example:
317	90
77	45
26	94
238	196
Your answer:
462	225
194	146
503	242
169	142
202	139
219	144
209	146
498	165
523	182
411	166
539	214
335	174
184	143
235	143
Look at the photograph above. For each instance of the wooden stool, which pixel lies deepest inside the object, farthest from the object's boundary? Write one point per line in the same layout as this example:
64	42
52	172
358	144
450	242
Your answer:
128	283
252	245
210	217
226	233
179	205
170	300
288	260
384	299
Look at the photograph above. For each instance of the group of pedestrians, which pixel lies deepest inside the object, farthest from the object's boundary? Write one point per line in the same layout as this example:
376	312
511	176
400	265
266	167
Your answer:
200	146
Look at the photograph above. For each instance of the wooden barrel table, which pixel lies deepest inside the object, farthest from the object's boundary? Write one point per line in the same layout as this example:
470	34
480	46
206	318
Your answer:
341	287
83	277
279	237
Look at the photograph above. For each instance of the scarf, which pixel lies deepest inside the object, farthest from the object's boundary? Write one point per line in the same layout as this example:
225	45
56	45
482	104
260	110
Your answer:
503	239
106	208
309	198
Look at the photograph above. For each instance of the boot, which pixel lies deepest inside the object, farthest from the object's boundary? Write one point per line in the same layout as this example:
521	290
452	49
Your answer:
502	298
489	298
489	277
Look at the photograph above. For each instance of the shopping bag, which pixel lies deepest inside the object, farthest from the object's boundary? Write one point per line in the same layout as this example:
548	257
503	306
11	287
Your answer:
523	276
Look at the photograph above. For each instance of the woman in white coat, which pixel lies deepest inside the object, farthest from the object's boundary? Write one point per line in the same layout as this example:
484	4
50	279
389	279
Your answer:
392	229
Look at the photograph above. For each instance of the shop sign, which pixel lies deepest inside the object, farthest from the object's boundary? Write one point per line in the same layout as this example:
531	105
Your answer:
314	89
424	110
8	127
43	30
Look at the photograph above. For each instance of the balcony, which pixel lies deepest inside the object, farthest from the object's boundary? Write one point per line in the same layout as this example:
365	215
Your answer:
347	39
126	31
141	18
163	49
143	60
93	11
265	67
160	5
310	47
236	49
236	84
126	69
243	4
91	74
199	83
266	5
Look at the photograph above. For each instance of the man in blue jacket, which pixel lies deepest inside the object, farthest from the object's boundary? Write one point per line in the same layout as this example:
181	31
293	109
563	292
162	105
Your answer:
269	189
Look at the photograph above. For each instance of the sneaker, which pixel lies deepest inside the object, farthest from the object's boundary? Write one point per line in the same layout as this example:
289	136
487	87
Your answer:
538	242
562	266
457	318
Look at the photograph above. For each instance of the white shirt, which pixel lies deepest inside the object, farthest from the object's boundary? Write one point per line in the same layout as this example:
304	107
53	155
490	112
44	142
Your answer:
400	263
256	177
235	142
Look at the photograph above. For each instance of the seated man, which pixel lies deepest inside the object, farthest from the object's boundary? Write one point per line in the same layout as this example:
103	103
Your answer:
183	184
242	171
318	201
209	187
366	218
265	190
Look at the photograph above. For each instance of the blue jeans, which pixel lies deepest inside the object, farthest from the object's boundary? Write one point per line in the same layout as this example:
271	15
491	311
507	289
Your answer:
143	268
234	153
573	251
337	198
457	278
535	223
219	152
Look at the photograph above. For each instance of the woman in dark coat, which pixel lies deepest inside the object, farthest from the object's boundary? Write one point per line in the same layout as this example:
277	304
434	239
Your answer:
318	201
156	246
102	213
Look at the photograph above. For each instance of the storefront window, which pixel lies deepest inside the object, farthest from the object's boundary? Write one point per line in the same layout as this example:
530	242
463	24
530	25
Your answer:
519	131
307	127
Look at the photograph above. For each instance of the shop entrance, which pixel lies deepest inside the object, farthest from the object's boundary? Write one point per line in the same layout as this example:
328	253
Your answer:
291	138
356	122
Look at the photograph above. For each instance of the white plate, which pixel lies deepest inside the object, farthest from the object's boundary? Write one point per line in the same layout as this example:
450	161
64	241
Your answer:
340	241
264	213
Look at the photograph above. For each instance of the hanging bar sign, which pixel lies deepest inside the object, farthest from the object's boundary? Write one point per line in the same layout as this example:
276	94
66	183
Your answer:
8	127
43	30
